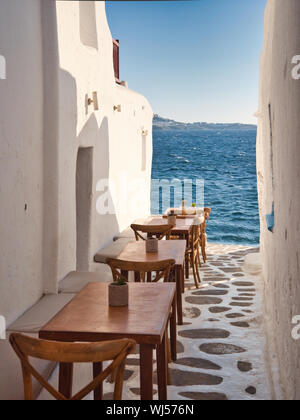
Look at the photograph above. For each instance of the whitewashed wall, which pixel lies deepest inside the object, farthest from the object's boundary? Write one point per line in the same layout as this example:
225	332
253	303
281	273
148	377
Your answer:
278	158
21	157
115	136
57	54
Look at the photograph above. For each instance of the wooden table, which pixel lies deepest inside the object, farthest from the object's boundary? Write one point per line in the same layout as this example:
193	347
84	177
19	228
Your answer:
89	318
136	251
182	229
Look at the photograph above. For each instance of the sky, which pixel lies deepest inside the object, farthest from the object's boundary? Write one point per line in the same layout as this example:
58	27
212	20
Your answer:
193	60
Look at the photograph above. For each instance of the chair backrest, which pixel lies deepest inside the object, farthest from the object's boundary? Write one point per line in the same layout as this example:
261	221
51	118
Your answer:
162	269
207	212
195	236
159	231
117	351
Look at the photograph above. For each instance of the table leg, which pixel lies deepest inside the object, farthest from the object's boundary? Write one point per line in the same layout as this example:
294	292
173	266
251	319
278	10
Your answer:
66	379
182	280
97	370
173	331
162	367
146	371
178	271
124	274
187	262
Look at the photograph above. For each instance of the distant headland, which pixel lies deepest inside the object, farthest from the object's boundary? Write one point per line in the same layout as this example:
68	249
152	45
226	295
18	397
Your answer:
160	123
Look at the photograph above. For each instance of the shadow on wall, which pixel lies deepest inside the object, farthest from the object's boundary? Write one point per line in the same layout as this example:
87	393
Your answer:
86	161
109	220
93	157
73	164
84	185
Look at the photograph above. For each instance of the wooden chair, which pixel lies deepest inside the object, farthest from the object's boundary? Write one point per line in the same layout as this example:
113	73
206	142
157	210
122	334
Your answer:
69	353
142	270
203	240
193	253
159	231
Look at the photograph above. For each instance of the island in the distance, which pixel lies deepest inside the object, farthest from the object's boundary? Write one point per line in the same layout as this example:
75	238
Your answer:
160	123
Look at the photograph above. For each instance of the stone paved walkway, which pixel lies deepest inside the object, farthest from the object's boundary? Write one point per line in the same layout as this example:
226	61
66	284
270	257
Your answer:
221	343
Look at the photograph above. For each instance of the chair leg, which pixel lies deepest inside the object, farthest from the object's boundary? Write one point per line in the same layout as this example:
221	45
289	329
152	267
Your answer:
162	369
203	249
169	358
195	270
97	370
28	392
198	264
119	381
195	277
66	379
198	255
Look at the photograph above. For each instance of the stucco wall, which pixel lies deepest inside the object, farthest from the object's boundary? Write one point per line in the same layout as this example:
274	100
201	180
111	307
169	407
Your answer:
54	64
21	163
279	182
116	137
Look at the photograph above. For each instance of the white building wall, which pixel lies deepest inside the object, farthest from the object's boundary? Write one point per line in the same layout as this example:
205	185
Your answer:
278	157
116	137
58	54
21	152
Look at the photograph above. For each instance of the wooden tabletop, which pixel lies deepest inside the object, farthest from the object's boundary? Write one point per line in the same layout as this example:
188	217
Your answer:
136	251
89	318
183	226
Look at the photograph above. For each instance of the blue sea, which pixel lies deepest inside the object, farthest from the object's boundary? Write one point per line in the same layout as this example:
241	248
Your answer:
226	161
